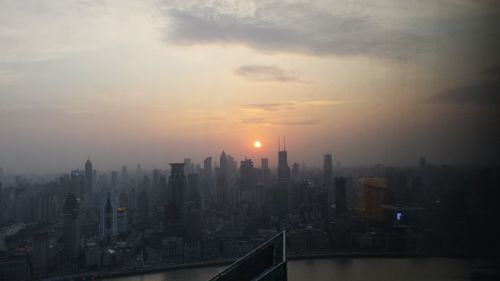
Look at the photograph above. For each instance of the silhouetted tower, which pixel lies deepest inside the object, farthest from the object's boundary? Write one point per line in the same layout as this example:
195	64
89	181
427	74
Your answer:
283	168
124	174
88	177
71	227
114	180
108	234
327	169
176	184
174	209
340	196
222	181
207	166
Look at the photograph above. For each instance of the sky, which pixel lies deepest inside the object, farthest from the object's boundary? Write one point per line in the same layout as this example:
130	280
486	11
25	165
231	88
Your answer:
156	81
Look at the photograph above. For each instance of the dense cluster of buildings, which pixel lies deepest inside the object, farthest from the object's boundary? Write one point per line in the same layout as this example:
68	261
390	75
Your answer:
97	221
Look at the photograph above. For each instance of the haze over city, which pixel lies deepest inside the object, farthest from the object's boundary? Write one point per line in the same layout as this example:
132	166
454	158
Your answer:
153	82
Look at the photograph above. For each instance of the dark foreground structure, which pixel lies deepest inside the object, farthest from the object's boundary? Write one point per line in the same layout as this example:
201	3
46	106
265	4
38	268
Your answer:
266	263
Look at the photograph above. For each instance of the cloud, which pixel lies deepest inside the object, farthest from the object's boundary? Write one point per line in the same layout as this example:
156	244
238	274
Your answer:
255	121
284	26
270	106
493	71
280	122
482	93
290	105
305	122
266	73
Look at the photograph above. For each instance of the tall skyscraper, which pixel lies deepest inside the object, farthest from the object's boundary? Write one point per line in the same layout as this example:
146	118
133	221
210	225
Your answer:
124	174
327	169
114	180
71	227
177	184
88	177
265	171
174	209
222	181
45	208
340	196
207	166
108	217
248	181
143	205
193	193
283	168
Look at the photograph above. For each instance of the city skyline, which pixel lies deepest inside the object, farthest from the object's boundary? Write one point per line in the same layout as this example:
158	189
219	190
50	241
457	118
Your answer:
133	81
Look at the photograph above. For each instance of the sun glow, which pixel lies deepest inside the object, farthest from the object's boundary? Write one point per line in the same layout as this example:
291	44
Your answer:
257	144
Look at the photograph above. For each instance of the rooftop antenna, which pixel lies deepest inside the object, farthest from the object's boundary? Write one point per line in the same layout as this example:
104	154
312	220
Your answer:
279	143
284	143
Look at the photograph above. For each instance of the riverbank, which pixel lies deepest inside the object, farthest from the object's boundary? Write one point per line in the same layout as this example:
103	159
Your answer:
150	269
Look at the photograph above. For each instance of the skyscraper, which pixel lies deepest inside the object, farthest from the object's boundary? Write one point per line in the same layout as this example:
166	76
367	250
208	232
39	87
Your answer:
108	217
207	166
88	177
265	171
124	174
114	180
222	181
340	196
71	227
283	168
248	181
174	209
327	169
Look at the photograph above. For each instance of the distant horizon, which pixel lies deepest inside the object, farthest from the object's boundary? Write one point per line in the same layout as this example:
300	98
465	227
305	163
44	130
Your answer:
256	161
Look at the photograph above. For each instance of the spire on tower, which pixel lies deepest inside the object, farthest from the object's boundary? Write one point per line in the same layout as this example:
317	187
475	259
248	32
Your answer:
284	143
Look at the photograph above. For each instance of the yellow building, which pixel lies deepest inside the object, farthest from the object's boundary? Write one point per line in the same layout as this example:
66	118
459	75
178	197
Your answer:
374	191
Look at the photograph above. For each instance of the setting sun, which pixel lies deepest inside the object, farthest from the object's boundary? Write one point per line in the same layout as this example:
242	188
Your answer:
257	144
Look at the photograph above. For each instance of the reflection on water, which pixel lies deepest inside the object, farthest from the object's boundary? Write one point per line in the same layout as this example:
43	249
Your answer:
358	269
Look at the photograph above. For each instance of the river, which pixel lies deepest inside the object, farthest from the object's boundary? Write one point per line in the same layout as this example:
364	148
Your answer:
345	269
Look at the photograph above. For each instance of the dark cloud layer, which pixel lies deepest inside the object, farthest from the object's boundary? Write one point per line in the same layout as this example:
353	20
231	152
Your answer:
265	73
290	27
493	71
483	93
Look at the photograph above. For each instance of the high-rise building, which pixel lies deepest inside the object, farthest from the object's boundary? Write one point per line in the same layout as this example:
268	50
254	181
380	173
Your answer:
265	171
340	196
108	217
283	168
193	193
248	181
122	222
88	177
71	227
222	181
155	185
1	173
174	209
114	180
207	166
177	184
374	192
40	255
46	207
124	174
327	169
78	184
143	205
